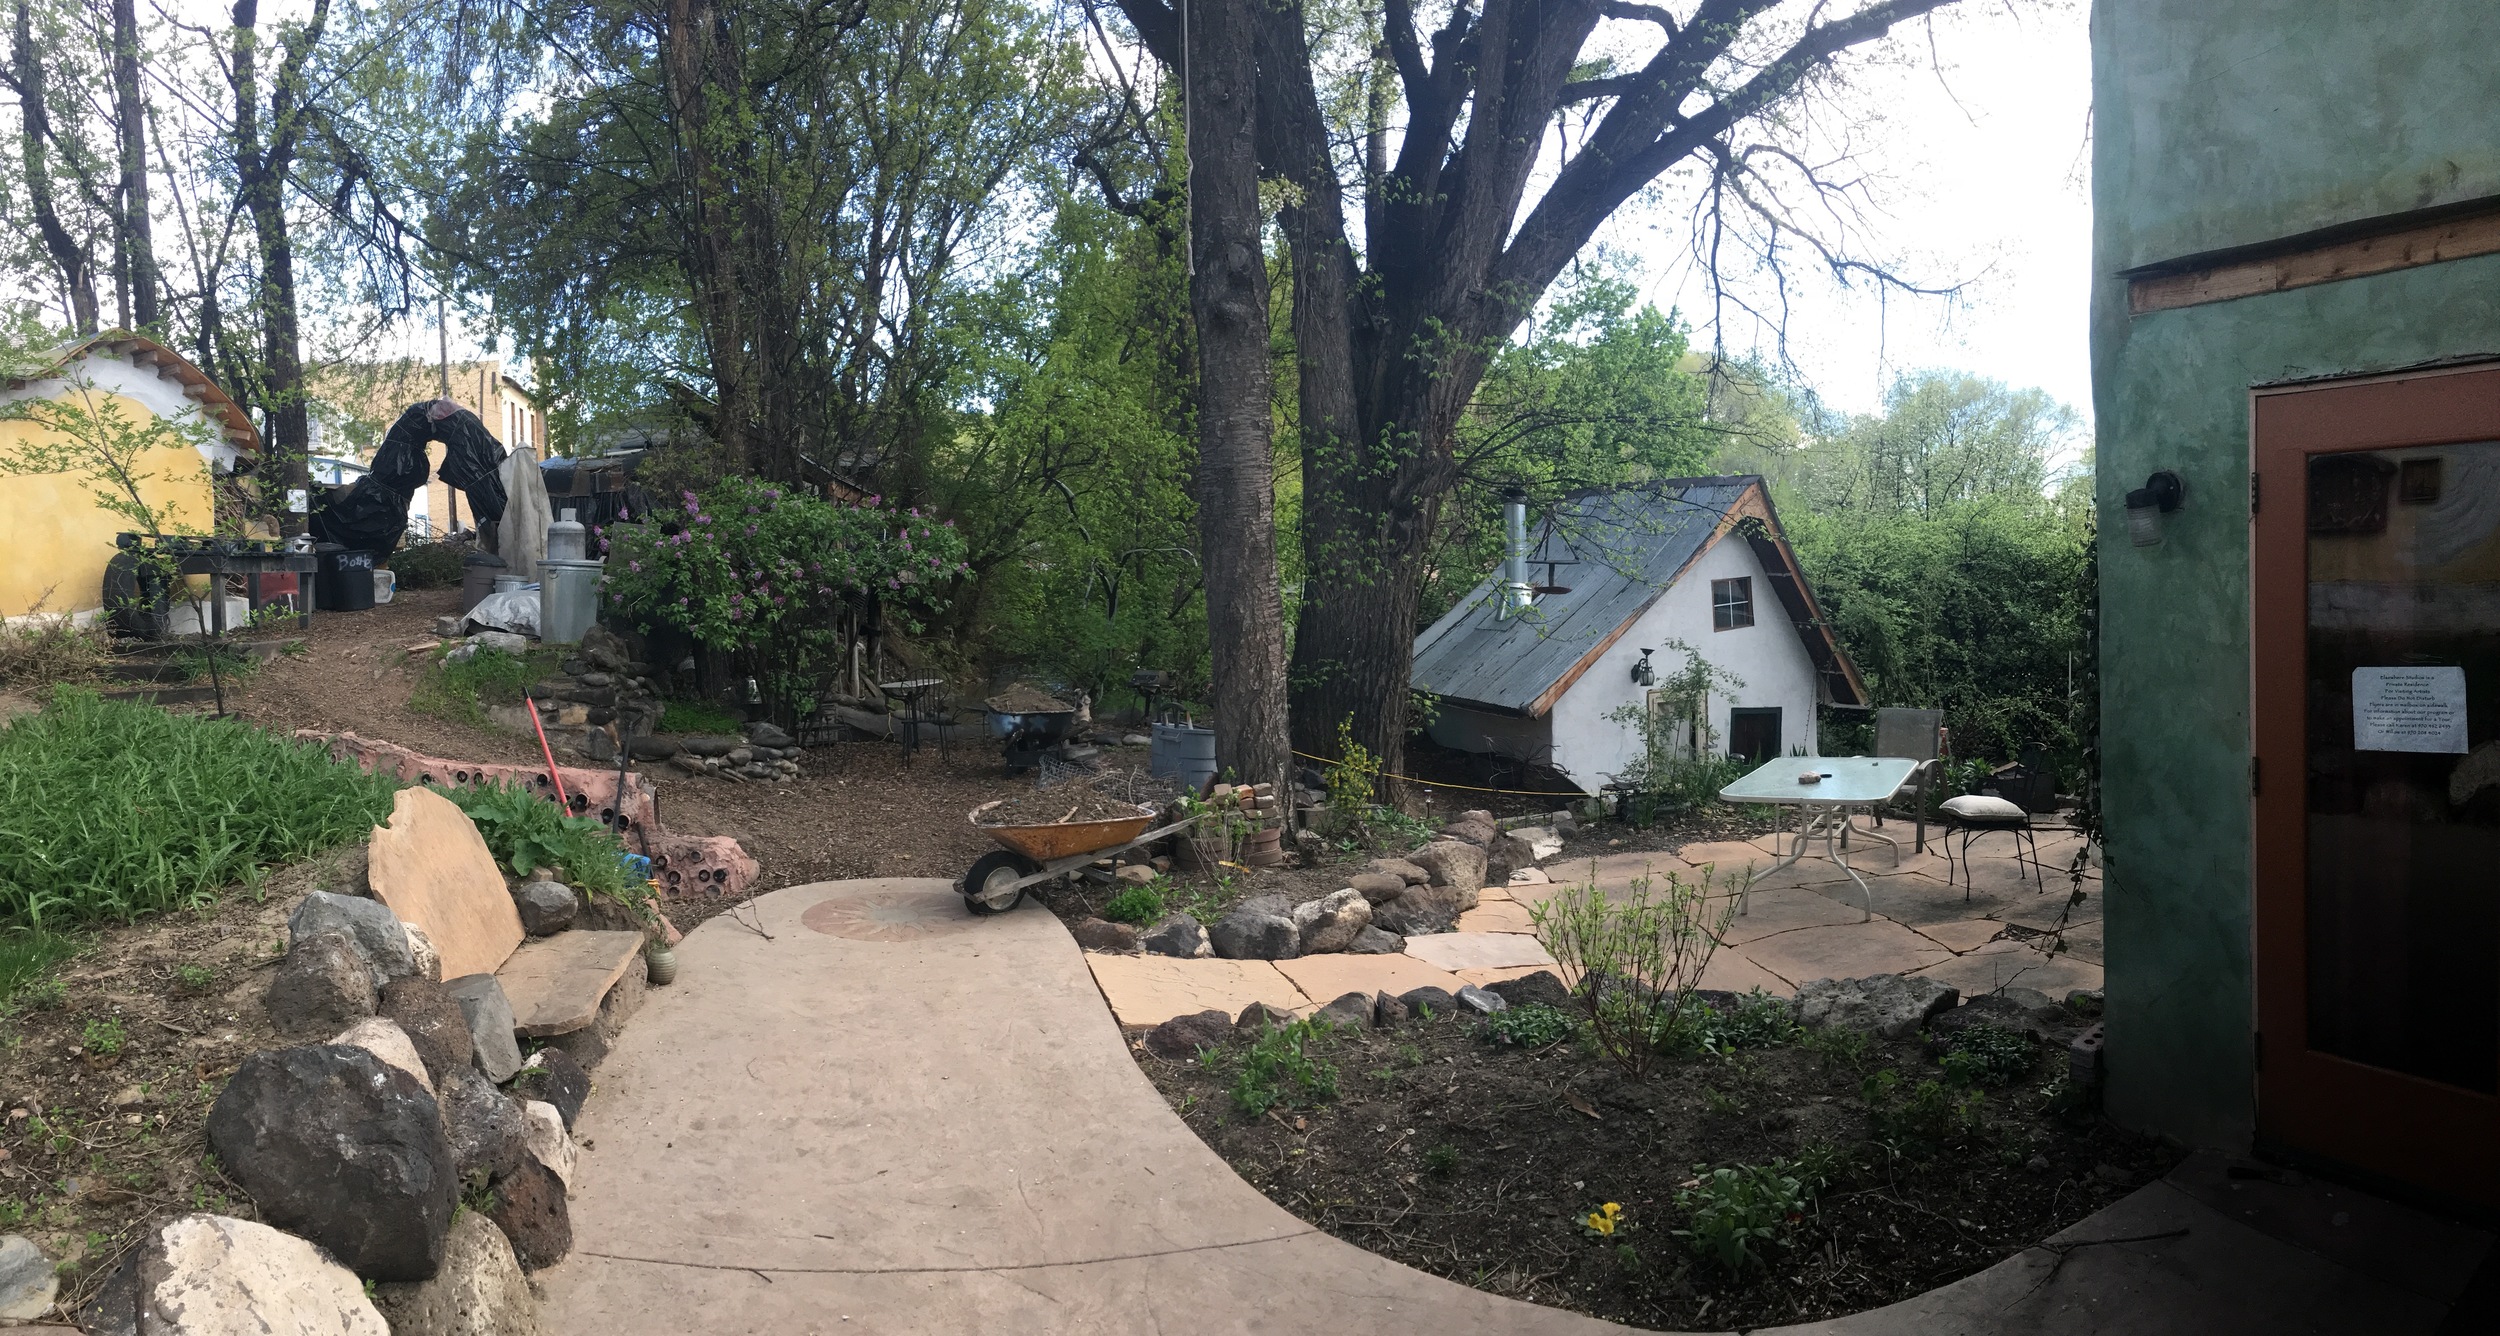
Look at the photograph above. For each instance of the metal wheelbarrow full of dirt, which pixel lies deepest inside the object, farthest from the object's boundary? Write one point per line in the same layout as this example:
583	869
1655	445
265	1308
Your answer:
1031	855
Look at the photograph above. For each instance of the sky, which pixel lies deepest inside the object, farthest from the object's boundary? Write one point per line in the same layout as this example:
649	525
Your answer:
1983	170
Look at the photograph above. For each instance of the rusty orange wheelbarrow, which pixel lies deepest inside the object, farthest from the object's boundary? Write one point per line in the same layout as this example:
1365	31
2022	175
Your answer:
1032	855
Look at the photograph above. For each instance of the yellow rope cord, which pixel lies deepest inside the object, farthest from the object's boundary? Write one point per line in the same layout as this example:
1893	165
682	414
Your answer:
1471	788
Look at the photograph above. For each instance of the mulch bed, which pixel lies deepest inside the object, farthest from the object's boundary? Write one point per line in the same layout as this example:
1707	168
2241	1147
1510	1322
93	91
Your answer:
1479	1162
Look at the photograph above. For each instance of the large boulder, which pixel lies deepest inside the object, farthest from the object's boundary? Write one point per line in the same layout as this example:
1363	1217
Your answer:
1330	922
479	1292
1456	865
212	1275
1182	1036
432	1021
1260	928
545	907
1476	828
1890	1005
530	1210
552	1075
342	1148
489	1014
1378	887
486	1128
385	1040
1179	936
369	924
321	985
1423	910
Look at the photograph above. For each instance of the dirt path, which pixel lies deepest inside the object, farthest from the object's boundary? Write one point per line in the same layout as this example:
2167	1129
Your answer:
858	810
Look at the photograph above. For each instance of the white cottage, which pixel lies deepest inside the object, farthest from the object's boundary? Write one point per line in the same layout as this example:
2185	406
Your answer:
1531	664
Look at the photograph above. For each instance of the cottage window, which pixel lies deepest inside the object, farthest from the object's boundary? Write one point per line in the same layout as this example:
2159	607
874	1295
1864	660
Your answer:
1731	603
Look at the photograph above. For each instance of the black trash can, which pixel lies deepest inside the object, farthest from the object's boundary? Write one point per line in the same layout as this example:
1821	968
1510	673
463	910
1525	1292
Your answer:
344	582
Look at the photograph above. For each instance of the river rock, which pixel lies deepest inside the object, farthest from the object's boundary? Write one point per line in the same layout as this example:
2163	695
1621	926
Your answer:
705	744
322	984
1402	870
546	907
1330	922
431	1021
1886	1004
338	1146
1481	1002
1378	887
479	1292
1179	935
769	735
369	924
27	1281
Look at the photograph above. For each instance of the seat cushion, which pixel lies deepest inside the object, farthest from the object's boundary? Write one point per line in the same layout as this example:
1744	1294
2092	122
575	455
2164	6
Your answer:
1979	807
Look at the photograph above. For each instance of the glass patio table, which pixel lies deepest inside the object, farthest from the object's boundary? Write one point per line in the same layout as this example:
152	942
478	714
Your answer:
1841	787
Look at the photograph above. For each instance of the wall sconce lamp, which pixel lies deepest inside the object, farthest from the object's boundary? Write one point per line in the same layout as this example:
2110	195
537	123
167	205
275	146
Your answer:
2161	493
1642	673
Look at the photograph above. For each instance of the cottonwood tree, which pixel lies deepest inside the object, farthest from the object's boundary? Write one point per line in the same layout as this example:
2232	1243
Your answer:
1526	126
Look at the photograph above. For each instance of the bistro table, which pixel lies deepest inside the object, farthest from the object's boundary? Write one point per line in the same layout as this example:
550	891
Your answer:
1841	787
910	696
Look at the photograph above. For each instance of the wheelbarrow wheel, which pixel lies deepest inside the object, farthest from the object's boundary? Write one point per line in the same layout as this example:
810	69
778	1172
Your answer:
989	888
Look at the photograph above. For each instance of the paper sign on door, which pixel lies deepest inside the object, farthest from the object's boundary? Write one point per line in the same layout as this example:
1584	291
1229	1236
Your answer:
2408	709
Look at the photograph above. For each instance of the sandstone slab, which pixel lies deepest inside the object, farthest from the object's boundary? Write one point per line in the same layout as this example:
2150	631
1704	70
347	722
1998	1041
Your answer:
557	983
1333	976
1454	951
432	868
1149	990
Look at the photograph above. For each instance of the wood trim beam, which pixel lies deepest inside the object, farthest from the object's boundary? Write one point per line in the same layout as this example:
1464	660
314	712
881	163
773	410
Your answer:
2455	238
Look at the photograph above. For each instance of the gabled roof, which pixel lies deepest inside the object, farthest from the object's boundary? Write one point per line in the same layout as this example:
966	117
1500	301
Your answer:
1621	550
231	419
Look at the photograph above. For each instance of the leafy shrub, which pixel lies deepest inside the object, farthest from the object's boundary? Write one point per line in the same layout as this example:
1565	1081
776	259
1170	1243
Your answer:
428	565
1280	1070
1736	1212
462	690
110	810
1137	904
1639	958
1984	1056
750	571
1352	779
1758	1020
1924	1119
102	1037
694	716
1533	1025
524	831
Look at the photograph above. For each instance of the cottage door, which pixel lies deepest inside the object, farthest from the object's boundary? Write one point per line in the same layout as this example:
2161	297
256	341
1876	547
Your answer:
2376	679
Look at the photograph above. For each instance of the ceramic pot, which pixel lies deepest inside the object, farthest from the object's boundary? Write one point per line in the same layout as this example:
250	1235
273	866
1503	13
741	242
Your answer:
661	963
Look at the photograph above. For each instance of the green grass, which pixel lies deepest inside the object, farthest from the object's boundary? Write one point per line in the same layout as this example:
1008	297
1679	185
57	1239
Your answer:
462	691
694	716
111	810
25	955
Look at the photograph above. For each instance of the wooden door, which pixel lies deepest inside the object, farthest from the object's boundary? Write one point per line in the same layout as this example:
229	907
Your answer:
2376	687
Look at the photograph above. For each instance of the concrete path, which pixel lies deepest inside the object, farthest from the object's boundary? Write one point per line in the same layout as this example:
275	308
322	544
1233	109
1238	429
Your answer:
891	1117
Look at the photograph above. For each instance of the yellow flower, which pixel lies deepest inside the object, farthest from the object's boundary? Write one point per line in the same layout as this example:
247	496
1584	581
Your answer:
1601	1222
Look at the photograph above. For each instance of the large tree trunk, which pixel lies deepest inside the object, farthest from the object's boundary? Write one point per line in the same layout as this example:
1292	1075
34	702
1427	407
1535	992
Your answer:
1236	481
69	255
137	236
261	171
694	57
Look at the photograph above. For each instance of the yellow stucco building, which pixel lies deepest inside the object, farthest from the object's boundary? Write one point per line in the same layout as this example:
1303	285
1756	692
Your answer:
55	540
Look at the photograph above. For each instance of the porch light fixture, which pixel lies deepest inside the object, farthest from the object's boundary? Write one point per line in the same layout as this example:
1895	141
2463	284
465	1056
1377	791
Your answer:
1642	673
2160	494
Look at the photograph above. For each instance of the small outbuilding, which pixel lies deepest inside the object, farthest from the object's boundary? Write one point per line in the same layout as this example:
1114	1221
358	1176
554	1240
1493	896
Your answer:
1537	663
55	540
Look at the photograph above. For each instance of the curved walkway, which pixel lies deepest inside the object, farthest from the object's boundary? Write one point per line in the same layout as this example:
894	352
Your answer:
891	1117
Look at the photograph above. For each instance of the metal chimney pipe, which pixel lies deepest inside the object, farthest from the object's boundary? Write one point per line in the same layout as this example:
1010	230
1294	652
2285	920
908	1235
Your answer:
1517	594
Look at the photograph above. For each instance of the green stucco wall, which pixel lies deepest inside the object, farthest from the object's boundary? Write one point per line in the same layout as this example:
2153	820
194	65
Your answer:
2221	123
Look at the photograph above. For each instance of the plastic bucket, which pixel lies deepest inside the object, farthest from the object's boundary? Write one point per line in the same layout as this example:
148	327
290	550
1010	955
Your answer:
1183	751
385	584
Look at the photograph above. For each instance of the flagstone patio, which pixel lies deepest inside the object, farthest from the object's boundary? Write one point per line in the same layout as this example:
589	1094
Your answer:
1809	921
